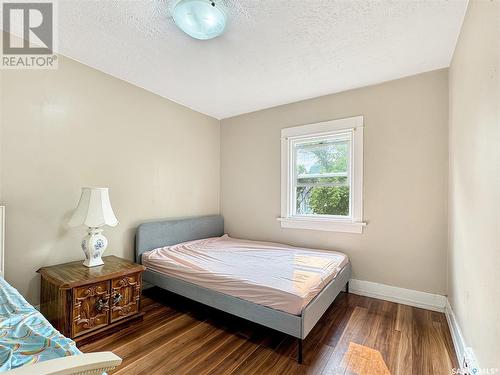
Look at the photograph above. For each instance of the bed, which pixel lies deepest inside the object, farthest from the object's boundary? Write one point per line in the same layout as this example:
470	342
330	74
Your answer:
30	345
285	309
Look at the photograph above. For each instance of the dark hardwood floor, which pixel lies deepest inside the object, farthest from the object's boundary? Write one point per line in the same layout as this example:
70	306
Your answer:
357	335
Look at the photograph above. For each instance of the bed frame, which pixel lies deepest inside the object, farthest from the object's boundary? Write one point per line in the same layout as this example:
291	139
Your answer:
84	364
157	234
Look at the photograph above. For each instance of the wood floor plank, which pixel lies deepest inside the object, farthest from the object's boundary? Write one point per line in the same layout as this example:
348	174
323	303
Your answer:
188	355
403	361
448	342
440	363
317	362
212	358
374	317
370	352
341	313
421	362
284	359
355	331
253	361
386	336
138	357
240	355
357	335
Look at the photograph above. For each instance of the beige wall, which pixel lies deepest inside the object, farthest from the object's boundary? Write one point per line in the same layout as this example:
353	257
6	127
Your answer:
405	171
474	251
78	127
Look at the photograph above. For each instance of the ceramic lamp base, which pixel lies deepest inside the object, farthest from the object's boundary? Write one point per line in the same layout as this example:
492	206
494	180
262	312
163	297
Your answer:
93	245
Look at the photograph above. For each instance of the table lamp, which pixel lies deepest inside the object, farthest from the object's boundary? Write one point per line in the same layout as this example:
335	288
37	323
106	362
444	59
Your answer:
94	211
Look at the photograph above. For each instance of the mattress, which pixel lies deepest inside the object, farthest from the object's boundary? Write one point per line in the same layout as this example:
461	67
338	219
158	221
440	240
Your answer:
278	276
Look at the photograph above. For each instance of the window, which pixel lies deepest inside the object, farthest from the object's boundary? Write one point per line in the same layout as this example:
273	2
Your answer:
322	176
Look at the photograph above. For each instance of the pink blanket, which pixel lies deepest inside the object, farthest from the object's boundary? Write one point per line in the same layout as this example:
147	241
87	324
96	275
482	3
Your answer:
282	277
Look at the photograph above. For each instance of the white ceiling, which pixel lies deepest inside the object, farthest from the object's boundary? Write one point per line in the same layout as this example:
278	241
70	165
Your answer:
273	52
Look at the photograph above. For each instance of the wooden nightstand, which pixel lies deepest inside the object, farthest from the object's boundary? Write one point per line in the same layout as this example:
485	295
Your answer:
83	302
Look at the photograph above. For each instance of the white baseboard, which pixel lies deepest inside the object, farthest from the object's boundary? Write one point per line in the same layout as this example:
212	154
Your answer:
429	301
465	355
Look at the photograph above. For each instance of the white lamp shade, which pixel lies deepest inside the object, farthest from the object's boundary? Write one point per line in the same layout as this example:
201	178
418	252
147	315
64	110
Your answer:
94	209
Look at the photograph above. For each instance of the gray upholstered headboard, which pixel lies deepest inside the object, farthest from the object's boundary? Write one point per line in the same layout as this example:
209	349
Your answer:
155	234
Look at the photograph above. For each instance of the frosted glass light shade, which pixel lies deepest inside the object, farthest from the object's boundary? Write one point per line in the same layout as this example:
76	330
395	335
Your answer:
94	209
200	19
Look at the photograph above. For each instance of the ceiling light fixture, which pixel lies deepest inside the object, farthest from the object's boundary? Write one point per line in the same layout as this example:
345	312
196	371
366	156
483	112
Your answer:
200	19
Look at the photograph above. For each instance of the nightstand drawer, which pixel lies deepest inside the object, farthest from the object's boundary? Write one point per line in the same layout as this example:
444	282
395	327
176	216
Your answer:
90	307
125	296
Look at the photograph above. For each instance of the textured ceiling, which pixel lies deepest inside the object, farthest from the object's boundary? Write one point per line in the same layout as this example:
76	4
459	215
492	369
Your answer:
273	52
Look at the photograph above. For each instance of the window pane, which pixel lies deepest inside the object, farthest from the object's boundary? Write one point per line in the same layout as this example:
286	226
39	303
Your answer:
322	184
322	157
323	200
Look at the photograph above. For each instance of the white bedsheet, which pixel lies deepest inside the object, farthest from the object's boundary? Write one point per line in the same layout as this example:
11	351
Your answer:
282	277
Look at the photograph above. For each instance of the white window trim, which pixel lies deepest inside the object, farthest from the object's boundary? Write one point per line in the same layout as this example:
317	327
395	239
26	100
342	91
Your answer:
353	224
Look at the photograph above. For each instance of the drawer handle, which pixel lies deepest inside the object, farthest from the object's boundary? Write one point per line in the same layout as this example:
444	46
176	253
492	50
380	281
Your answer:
99	305
117	298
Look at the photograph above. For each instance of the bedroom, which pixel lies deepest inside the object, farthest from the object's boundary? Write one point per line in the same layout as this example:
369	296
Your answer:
360	136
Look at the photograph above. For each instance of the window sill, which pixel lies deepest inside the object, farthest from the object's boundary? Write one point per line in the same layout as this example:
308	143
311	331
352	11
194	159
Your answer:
322	224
